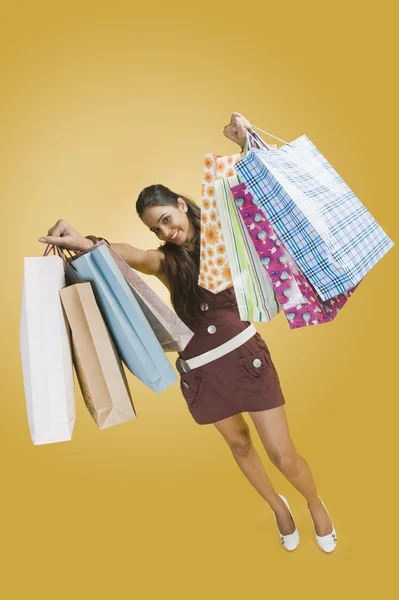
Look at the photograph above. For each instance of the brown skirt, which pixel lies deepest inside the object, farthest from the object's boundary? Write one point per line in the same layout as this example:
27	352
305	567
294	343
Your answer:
233	383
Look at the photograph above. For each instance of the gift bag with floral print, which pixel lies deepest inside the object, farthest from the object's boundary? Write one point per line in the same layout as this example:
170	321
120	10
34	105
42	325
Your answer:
214	271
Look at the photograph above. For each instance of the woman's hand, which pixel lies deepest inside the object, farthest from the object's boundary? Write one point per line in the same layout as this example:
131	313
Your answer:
64	236
235	130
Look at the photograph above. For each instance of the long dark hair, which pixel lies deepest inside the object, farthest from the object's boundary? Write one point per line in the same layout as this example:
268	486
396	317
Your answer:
181	262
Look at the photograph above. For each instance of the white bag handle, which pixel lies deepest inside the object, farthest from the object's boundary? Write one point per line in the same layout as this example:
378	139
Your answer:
271	135
258	140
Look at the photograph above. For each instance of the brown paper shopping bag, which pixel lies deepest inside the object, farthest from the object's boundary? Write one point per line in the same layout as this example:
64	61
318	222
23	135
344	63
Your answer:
97	364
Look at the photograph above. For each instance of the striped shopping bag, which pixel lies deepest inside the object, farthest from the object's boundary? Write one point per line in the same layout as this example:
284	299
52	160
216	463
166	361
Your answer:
256	299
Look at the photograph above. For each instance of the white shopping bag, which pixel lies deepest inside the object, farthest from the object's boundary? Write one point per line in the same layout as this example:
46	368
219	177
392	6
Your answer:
46	354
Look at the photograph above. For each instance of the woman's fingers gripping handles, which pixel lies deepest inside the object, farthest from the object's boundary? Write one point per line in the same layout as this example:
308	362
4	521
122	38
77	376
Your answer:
64	235
237	128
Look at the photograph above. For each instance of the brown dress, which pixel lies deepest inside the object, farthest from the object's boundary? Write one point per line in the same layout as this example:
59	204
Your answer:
232	383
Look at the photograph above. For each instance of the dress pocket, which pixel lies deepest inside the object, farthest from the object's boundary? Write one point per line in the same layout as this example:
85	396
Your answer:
255	372
192	386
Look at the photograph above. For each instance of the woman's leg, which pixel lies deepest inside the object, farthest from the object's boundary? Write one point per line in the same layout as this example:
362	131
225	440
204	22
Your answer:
237	435
272	427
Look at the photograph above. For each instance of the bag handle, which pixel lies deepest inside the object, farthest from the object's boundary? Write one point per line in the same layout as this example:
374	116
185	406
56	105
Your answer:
57	252
254	140
251	142
267	133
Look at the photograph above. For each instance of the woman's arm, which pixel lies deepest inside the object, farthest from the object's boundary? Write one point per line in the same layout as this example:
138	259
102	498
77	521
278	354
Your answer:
149	262
63	235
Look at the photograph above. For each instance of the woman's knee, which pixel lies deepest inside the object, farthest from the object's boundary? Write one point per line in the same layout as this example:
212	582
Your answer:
286	462
241	443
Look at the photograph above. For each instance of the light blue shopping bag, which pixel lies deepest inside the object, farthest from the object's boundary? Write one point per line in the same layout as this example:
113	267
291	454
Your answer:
137	345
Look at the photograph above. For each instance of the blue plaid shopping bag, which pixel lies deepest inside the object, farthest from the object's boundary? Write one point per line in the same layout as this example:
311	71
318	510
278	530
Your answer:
137	345
329	232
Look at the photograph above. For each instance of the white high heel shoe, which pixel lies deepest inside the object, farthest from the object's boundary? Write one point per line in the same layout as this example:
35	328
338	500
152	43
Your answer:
291	540
326	542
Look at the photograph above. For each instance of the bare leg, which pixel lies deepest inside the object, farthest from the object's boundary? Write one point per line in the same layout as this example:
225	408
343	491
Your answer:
273	430
236	433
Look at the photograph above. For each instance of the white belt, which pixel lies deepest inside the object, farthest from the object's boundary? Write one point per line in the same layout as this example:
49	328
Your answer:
206	357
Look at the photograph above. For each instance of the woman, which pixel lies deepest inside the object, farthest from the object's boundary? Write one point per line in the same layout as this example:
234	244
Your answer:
238	378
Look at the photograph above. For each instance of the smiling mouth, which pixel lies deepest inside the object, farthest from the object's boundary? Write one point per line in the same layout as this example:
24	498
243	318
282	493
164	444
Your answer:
174	236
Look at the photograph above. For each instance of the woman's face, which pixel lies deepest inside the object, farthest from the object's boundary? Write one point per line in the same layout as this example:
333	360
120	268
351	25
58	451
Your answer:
169	223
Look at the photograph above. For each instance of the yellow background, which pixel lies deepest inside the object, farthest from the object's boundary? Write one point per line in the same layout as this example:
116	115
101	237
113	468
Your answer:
100	99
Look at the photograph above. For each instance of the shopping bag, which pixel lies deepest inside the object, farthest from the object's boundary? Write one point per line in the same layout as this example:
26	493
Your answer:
300	302
97	364
170	331
256	299
137	345
331	235
46	353
214	269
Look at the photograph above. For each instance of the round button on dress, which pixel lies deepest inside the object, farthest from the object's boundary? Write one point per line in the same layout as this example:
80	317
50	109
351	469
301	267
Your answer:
244	380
